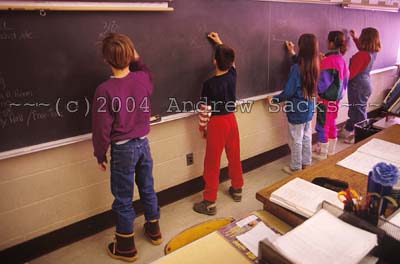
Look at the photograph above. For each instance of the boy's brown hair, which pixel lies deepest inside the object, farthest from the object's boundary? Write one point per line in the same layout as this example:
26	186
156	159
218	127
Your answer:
118	50
370	40
224	56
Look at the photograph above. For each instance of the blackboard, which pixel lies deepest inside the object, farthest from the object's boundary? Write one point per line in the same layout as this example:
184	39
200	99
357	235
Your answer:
50	65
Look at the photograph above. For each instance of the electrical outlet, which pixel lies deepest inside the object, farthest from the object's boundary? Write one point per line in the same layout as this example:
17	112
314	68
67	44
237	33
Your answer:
189	159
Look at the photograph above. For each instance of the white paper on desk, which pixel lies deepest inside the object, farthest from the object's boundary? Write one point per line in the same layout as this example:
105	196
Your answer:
325	239
360	162
246	220
371	153
382	149
252	238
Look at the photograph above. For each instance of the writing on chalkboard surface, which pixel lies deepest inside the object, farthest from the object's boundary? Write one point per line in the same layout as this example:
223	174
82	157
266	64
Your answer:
56	60
11	100
10	33
108	27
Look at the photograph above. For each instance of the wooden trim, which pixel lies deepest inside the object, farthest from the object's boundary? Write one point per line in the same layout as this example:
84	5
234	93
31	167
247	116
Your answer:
46	243
83	6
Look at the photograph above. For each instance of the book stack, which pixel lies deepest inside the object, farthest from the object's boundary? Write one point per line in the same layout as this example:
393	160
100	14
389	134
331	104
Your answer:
303	197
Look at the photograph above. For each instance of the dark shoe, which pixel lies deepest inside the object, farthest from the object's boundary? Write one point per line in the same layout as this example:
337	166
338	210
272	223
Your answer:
123	248
205	207
152	231
236	194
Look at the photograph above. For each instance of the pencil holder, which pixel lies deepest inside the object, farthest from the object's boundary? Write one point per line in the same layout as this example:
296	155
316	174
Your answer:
380	181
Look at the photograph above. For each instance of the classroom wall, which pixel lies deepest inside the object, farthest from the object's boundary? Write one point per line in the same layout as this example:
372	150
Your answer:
47	190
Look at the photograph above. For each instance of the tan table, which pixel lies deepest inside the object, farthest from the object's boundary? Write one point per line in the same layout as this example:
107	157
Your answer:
326	168
214	248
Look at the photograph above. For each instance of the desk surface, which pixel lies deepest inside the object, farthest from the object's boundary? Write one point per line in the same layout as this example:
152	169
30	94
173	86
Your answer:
326	168
213	248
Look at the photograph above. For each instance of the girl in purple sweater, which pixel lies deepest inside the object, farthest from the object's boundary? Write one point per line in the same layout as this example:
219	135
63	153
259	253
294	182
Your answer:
121	118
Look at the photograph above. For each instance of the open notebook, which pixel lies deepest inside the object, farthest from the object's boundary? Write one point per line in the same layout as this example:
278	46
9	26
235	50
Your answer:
303	197
325	238
371	153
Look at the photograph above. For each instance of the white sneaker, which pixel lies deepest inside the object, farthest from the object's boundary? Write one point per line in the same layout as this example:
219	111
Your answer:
323	154
350	139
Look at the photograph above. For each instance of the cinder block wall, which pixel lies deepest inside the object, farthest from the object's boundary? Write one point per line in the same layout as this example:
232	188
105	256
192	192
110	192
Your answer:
47	190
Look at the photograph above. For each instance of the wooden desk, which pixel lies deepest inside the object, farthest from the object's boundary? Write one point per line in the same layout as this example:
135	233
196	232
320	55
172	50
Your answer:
326	168
214	248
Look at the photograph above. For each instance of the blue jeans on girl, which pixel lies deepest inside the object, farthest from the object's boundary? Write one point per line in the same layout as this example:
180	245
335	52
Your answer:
131	162
300	137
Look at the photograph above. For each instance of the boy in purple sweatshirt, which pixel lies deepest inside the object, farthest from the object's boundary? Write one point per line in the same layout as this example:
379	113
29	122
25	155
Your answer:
121	118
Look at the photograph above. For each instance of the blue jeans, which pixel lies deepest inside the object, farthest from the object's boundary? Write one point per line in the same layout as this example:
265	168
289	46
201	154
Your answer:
300	145
358	93
127	161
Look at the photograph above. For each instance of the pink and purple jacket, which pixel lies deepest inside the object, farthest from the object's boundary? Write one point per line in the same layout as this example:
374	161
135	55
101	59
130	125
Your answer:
334	77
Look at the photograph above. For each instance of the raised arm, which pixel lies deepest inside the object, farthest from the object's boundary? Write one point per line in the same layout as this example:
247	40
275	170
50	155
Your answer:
215	38
137	65
355	39
217	41
291	49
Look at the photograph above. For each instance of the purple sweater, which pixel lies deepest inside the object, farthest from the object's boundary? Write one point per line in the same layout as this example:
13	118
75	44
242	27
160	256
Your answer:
121	109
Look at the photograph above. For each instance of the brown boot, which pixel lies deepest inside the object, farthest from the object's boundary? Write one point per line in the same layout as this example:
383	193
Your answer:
123	247
152	231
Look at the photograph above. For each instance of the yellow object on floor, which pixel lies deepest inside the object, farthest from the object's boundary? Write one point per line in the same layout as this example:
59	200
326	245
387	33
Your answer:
195	232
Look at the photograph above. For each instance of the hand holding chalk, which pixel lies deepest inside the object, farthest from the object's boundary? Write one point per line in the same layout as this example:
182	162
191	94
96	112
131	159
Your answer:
352	33
215	37
290	47
136	55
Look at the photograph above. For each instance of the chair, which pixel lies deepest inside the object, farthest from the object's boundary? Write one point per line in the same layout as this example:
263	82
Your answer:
195	232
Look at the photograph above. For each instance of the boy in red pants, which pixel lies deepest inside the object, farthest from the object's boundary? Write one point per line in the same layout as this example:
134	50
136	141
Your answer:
222	131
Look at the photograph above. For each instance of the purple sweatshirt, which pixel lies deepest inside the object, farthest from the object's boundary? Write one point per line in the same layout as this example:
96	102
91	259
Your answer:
121	109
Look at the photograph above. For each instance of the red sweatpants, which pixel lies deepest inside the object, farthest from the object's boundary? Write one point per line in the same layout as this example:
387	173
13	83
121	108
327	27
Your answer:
222	132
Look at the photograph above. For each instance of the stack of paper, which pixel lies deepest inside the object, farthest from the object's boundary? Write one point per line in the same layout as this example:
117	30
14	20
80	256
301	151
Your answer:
325	239
371	153
303	197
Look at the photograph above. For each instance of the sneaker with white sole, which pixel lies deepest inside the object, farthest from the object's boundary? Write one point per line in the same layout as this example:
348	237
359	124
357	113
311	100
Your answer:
288	170
236	194
350	139
205	207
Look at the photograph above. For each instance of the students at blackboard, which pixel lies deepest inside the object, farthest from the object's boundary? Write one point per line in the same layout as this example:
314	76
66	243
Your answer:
222	130
331	86
299	93
117	121
360	87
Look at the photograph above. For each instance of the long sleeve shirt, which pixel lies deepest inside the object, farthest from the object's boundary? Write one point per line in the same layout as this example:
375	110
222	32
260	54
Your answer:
360	61
298	109
333	77
121	109
220	93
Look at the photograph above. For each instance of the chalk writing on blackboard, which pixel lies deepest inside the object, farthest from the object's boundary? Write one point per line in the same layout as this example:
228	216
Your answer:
8	32
36	115
108	27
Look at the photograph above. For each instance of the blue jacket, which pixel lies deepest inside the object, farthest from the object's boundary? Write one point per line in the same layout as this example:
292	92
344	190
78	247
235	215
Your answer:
298	109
